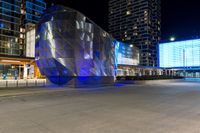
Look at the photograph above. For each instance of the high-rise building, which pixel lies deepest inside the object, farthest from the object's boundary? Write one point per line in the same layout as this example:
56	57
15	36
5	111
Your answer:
137	22
17	36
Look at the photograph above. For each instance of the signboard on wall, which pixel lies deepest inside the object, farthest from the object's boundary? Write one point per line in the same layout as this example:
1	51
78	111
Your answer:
180	54
128	54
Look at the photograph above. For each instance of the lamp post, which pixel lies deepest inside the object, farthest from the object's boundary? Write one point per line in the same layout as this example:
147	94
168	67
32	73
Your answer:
184	63
172	39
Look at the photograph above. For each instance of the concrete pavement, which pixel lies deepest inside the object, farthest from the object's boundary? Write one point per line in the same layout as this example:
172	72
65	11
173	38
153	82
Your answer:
12	92
161	108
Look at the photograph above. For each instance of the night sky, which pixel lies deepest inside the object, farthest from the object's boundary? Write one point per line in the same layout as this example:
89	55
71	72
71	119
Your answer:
179	18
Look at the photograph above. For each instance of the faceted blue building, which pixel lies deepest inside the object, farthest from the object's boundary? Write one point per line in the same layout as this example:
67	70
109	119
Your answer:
71	49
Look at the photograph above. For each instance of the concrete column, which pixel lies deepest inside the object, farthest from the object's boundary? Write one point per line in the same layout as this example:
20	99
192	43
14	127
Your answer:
25	75
19	72
160	72
150	72
32	71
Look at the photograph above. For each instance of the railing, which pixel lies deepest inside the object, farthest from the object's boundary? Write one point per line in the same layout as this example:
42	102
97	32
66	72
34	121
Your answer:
22	83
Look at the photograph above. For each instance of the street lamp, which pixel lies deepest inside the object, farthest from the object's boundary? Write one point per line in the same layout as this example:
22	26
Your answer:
184	63
172	39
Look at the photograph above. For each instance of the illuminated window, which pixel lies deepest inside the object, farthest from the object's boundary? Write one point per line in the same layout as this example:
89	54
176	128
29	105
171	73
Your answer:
129	2
22	30
23	11
128	12
135	27
145	13
135	33
21	35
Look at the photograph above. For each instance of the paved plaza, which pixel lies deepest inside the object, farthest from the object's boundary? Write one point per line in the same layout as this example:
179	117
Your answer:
156	108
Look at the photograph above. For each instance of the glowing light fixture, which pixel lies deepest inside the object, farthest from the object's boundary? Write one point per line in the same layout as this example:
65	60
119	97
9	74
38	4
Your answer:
128	12
14	61
172	39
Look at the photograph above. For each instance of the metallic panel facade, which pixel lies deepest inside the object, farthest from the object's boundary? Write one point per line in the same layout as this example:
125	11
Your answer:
69	45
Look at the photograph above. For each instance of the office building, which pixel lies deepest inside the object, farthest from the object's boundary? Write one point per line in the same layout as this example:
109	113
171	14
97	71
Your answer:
17	36
137	22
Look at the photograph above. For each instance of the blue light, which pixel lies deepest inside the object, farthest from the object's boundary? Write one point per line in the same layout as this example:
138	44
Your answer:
180	54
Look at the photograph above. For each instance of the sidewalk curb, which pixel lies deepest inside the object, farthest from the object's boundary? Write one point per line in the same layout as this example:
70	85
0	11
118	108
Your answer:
31	93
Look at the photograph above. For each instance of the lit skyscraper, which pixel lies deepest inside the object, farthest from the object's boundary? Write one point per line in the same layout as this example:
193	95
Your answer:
17	34
14	15
137	22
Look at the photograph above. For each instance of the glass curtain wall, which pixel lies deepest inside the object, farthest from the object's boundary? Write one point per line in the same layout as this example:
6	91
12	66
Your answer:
9	27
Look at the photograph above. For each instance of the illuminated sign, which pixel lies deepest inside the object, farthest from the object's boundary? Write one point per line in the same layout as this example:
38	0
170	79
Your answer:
127	54
180	54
